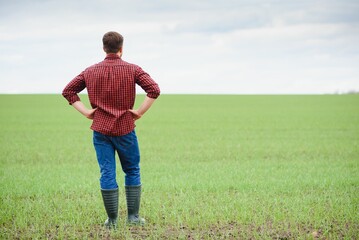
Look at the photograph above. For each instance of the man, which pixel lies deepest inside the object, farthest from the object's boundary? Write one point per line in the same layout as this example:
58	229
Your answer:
111	90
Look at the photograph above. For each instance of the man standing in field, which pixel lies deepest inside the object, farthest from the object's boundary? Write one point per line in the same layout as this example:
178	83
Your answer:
111	90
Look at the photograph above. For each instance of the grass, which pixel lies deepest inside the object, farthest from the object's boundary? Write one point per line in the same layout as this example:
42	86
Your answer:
213	167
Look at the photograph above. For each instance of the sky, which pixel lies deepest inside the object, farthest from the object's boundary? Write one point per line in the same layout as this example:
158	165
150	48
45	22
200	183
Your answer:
188	47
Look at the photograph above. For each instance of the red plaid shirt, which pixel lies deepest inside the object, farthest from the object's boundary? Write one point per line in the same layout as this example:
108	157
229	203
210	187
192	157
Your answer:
111	89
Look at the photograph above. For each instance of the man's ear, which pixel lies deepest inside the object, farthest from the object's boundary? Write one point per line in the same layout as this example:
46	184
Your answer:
120	52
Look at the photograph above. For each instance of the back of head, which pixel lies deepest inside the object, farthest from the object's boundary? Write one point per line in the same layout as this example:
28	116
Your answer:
112	42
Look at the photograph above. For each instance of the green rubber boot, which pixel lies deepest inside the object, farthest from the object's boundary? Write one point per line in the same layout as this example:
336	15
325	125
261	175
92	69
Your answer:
110	200
133	198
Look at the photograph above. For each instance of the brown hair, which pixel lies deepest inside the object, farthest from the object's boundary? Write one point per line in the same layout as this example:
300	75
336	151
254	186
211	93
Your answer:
112	42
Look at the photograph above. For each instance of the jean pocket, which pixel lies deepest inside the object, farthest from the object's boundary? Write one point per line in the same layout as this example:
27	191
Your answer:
127	140
99	138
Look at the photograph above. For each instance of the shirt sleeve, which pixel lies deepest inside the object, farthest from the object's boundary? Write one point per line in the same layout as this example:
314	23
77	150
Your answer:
144	80
72	89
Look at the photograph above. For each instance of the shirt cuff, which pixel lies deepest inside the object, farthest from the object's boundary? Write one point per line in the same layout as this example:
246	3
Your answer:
73	99
153	95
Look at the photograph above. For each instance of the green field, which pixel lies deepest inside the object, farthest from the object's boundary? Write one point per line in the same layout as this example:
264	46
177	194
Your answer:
213	167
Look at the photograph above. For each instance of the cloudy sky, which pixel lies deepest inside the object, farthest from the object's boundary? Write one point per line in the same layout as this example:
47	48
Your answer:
205	46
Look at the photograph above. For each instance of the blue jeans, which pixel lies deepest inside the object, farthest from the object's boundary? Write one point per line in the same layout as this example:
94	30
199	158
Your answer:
127	149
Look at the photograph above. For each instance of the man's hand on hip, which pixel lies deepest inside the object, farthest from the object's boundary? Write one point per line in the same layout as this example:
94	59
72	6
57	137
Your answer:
146	104
135	114
90	113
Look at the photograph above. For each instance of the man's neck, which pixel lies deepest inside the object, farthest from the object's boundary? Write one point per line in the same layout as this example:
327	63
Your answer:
118	54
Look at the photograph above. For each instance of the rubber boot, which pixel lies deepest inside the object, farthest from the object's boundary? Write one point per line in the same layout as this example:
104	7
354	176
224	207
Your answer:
133	198
110	200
